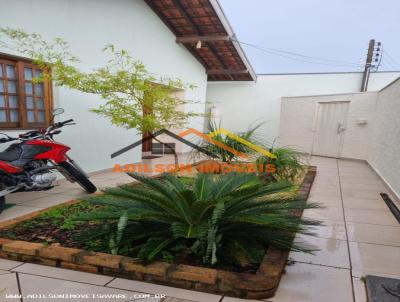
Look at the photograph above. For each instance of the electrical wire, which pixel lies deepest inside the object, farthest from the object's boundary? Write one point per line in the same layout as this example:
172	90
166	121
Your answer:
289	55
388	64
391	59
385	65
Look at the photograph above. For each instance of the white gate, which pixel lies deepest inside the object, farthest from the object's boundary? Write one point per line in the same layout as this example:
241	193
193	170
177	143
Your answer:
329	128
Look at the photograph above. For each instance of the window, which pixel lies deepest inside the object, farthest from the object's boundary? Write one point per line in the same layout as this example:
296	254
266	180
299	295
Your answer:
24	104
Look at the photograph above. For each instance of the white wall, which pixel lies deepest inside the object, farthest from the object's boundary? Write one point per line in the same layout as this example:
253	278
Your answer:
378	141
89	25
298	122
384	149
240	104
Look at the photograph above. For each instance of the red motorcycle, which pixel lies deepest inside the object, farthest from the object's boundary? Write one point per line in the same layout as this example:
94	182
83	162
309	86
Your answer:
29	164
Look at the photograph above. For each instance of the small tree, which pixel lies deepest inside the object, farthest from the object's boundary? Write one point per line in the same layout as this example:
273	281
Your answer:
124	83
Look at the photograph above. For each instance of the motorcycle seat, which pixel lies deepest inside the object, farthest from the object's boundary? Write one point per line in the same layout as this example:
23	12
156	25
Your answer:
13	152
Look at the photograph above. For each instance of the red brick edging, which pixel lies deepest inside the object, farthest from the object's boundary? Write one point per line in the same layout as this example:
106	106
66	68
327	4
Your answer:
261	285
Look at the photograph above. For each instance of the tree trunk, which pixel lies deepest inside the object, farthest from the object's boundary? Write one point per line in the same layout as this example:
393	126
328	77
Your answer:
170	148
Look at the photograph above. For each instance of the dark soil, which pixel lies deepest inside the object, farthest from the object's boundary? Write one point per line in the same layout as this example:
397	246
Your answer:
250	268
54	226
47	233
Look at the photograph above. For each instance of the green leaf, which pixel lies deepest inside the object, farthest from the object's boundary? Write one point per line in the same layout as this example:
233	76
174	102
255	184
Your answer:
153	248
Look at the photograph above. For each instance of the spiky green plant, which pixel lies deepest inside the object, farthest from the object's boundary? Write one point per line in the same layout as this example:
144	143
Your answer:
228	218
116	239
287	163
249	135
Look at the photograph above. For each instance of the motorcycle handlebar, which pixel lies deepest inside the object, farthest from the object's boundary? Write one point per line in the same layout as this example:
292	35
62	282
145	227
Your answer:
60	124
31	134
67	121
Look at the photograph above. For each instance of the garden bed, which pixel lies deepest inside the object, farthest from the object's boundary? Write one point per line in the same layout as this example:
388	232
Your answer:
54	247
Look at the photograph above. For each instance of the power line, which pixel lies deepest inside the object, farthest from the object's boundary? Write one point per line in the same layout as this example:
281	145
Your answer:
296	59
387	63
391	59
282	53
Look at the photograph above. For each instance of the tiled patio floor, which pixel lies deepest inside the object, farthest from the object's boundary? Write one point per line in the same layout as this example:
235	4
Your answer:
360	237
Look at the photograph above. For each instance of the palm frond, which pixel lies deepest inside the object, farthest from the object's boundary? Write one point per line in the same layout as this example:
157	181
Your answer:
222	154
153	247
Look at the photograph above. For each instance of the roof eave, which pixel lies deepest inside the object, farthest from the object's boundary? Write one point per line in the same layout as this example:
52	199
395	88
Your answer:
224	20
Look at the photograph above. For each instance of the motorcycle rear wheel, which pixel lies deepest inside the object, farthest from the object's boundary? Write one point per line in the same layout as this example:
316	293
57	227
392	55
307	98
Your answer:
79	177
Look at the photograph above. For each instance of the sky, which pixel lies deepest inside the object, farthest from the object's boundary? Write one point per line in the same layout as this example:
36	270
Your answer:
336	30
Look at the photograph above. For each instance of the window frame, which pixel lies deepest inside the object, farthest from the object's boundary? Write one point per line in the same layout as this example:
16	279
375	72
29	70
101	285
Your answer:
20	65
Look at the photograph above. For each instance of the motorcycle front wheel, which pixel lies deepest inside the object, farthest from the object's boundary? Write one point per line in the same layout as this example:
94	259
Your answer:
79	177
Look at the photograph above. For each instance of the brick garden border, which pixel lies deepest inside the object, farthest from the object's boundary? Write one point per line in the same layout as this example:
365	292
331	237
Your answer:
261	285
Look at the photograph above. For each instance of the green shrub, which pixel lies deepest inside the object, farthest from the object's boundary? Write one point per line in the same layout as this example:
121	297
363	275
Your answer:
222	154
219	219
287	163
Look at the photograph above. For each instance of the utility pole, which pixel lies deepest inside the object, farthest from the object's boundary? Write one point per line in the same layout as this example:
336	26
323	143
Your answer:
368	63
374	52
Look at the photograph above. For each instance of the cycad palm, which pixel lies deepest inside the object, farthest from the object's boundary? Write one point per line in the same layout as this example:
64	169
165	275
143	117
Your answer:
229	217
